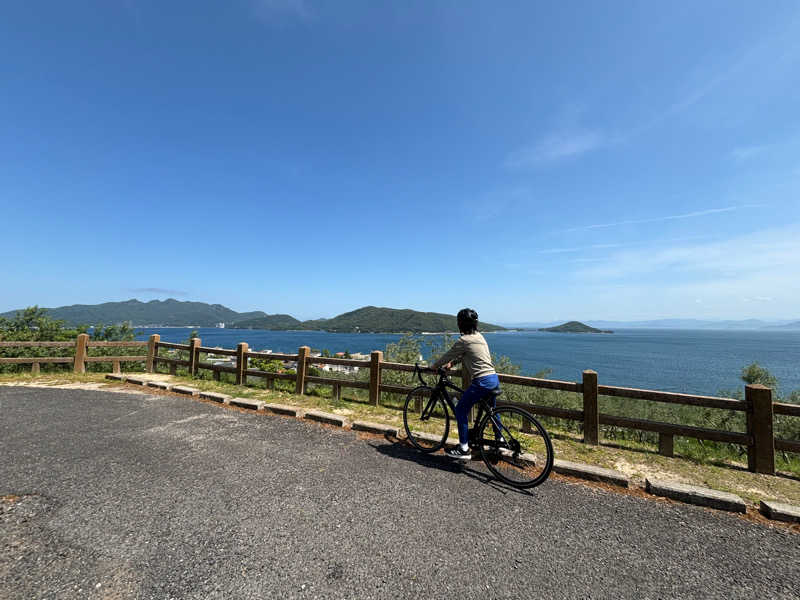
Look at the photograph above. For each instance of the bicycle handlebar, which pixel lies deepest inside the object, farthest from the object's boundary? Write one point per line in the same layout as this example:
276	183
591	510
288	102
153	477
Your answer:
418	372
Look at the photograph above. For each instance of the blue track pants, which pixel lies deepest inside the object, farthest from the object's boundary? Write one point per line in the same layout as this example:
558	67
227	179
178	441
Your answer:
477	390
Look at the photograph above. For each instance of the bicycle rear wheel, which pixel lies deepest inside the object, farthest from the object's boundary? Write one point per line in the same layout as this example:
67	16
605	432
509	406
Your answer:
515	446
426	419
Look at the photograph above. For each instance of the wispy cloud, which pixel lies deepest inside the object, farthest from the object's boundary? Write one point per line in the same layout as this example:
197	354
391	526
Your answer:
776	51
689	215
156	290
768	251
745	152
556	146
748	275
578	248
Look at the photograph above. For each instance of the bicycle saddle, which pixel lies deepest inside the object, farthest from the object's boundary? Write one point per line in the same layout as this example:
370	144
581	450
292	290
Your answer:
495	392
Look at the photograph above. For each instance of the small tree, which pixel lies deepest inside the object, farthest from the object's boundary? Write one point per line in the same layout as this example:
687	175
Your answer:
756	374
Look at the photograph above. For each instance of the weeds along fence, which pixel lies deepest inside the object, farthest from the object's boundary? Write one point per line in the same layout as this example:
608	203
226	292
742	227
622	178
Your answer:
80	354
757	413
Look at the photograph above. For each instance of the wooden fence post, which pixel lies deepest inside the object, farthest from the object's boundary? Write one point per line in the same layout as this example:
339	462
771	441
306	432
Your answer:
591	415
81	347
761	453
241	363
666	444
302	367
194	355
375	377
152	353
35	370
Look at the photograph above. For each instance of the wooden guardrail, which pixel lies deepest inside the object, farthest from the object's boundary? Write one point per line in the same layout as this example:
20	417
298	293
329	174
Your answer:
757	405
81	355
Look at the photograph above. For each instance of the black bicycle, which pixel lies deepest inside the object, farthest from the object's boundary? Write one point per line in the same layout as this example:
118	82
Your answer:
511	441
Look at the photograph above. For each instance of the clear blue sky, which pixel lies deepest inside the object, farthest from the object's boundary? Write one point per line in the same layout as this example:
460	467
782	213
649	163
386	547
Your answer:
536	161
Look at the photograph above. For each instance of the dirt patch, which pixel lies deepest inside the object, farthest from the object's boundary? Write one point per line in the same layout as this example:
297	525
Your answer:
640	471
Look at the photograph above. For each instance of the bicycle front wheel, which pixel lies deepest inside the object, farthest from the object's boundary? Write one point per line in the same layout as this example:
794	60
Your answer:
426	419
515	447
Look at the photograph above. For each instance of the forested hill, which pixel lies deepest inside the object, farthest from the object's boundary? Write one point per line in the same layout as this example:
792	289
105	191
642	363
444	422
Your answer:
574	327
373	319
271	322
156	312
369	319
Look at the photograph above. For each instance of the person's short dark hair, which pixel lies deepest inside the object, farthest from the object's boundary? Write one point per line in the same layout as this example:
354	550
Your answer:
467	320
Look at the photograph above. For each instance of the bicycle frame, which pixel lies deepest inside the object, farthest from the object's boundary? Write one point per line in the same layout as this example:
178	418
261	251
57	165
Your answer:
442	386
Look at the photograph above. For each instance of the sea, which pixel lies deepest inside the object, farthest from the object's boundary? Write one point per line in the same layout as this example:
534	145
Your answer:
704	362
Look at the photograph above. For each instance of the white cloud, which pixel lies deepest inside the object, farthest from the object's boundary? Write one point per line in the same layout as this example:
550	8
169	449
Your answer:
556	146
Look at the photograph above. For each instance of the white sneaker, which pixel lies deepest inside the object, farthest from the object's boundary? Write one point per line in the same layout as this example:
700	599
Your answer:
459	454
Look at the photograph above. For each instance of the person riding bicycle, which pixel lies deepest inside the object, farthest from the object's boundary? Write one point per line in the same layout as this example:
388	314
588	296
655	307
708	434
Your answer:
471	349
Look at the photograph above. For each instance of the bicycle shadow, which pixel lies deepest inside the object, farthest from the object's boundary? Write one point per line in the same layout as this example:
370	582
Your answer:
395	448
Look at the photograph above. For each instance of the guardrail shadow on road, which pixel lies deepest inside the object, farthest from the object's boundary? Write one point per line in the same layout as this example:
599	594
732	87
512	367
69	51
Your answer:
399	449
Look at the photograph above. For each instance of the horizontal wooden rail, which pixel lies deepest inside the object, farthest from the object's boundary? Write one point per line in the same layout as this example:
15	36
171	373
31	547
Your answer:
393	366
271	355
363	385
700	433
395	389
348	362
787	445
213	367
92	344
270	375
37	344
100	359
550	384
36	359
219	351
173	361
783	408
672	398
174	346
547	411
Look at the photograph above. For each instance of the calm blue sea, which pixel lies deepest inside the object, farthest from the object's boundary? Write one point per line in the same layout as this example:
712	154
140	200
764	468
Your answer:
690	361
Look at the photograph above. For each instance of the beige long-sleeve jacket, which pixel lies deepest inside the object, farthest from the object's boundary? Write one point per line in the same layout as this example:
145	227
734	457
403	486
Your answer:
473	351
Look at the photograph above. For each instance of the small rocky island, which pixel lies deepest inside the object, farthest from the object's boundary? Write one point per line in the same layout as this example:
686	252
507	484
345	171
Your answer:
574	327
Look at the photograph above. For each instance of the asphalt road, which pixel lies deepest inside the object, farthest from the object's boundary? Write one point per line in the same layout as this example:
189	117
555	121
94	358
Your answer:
138	496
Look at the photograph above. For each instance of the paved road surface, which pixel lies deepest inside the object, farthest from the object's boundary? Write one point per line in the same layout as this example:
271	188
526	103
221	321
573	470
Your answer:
138	496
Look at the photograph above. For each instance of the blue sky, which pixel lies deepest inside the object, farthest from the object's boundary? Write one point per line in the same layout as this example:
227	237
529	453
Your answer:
536	161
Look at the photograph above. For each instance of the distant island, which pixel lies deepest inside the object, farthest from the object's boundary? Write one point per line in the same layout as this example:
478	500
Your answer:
574	327
176	313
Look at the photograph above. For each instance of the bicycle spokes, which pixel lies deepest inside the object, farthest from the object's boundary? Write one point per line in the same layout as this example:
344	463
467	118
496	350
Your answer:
516	447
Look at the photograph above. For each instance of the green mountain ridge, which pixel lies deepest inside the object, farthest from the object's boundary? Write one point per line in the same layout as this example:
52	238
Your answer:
574	327
168	312
176	313
276	322
374	319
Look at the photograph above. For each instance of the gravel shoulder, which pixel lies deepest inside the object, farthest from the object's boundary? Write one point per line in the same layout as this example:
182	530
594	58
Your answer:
155	496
